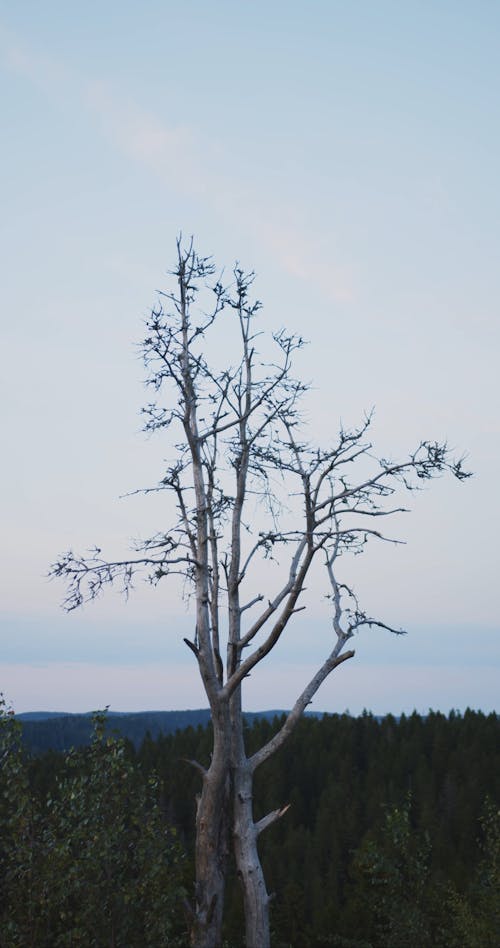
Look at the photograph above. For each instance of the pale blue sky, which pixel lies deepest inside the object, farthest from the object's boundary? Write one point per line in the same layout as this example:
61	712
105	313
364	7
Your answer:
349	153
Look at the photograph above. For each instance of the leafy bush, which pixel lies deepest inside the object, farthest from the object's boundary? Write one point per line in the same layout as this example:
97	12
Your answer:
93	864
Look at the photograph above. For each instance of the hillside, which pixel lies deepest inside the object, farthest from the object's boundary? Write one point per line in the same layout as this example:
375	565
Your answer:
59	731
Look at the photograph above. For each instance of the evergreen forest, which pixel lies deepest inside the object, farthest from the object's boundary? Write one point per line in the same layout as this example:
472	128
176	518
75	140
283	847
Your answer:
392	838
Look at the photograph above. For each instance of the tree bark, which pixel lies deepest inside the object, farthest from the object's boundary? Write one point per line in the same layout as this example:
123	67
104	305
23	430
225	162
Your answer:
255	897
212	833
245	833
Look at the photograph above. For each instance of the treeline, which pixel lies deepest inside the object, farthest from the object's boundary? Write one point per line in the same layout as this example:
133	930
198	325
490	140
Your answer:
64	731
52	731
392	839
384	827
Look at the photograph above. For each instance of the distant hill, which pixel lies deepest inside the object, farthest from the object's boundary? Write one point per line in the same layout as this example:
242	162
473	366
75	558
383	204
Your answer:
54	730
45	715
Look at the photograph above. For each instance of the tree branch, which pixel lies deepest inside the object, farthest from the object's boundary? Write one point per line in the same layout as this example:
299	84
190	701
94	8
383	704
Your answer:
333	660
271	818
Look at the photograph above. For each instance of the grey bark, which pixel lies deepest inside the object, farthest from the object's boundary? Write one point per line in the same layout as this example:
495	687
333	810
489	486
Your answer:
245	834
212	842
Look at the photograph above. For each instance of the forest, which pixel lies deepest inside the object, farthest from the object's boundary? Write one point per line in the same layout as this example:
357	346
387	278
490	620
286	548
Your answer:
60	731
392	838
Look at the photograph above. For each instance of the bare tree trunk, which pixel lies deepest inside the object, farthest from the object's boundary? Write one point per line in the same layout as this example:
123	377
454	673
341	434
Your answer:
211	850
245	833
255	897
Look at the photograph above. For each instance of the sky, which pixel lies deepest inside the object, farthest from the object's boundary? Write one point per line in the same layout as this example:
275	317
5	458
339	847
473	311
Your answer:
349	154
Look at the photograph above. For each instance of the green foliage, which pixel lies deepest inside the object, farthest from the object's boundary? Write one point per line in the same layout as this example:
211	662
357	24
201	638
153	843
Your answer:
475	915
395	871
94	864
20	888
408	907
379	848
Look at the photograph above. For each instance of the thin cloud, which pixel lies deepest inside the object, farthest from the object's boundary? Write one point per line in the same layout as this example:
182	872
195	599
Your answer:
166	150
42	71
182	161
172	154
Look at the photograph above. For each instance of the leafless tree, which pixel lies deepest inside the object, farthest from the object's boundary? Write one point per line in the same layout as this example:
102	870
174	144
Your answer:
246	486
